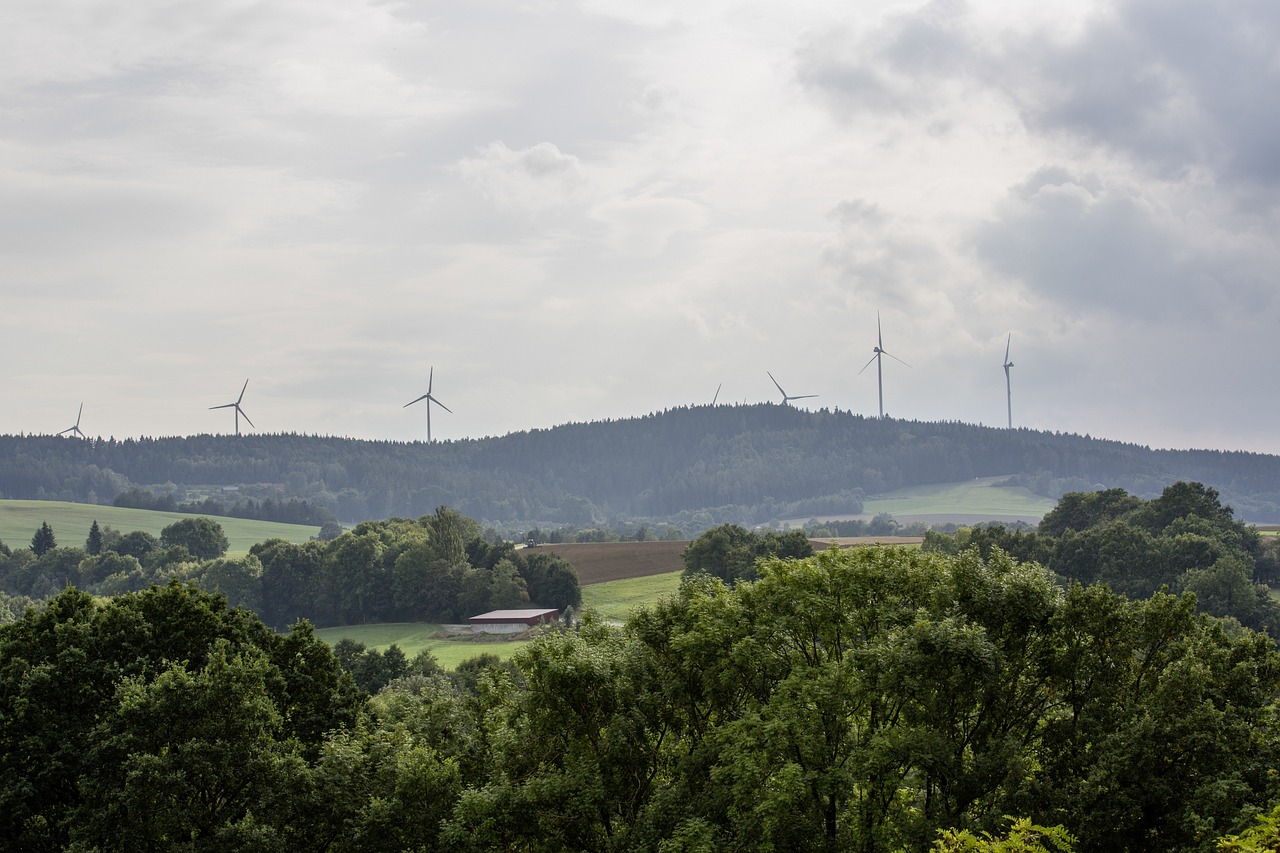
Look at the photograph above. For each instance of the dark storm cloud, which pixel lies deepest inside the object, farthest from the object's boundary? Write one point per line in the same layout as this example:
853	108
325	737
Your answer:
1173	85
1093	249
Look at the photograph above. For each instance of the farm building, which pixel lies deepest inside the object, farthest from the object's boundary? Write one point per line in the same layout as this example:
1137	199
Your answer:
512	621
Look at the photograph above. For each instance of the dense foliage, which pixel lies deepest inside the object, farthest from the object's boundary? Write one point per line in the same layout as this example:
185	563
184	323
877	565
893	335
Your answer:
857	700
1185	540
697	466
159	718
730	552
435	569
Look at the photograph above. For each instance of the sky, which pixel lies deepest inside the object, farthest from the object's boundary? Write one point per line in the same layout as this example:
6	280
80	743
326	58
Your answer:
575	211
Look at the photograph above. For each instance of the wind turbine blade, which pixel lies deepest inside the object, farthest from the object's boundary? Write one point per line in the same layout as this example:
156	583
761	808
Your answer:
868	364
419	400
438	403
1006	348
895	358
879	336
79	413
246	417
223	406
717	396
431	375
802	396
241	397
775	382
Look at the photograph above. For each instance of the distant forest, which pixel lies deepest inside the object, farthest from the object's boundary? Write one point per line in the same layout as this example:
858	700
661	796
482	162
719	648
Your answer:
696	467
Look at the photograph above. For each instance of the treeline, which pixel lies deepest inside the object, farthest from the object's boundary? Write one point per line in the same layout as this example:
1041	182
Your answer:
692	467
439	568
1185	540
857	700
291	511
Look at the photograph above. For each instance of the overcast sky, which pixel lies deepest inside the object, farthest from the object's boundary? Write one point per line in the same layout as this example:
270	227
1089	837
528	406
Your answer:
586	210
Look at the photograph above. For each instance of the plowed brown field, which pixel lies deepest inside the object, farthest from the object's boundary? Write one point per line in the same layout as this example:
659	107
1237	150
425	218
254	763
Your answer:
599	562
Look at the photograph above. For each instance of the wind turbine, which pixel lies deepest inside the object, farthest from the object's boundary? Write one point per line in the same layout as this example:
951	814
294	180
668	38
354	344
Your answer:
1008	386
879	350
430	399
717	396
74	429
786	398
236	406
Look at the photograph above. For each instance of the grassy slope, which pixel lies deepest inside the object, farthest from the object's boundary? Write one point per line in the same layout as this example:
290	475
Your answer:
616	599
972	497
19	520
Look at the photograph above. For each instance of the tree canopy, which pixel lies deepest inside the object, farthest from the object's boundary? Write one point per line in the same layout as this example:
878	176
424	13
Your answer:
865	699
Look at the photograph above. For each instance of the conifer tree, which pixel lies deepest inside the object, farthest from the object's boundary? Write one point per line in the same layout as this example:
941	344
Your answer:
43	541
93	545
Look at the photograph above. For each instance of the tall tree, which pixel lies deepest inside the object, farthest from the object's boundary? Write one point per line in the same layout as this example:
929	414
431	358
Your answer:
43	541
93	544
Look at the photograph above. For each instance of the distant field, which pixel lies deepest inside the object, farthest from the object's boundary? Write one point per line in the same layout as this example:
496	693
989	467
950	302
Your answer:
600	562
615	600
961	503
19	520
414	637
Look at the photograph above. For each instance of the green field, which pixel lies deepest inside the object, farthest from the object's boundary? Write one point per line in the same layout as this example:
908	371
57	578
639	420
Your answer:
19	520
414	637
978	497
615	600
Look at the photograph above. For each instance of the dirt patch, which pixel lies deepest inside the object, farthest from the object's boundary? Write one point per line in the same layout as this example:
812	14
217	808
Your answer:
599	562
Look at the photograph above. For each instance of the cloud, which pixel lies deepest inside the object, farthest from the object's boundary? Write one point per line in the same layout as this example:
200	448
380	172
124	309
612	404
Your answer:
1093	247
533	180
1175	85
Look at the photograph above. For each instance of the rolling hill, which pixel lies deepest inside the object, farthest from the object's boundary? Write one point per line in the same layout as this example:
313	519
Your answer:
71	522
693	466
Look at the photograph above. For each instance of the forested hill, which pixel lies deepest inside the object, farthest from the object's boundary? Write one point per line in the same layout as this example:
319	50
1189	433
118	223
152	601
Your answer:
745	462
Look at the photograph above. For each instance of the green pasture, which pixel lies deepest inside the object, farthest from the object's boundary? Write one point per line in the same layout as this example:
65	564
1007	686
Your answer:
415	637
19	520
972	497
615	600
612	601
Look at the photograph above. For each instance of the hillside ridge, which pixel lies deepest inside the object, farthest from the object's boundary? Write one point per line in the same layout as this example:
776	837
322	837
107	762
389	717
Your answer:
700	464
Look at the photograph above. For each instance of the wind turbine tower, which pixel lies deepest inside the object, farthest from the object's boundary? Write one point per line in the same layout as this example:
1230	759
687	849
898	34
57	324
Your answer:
1008	385
787	398
879	351
74	429
236	406
430	399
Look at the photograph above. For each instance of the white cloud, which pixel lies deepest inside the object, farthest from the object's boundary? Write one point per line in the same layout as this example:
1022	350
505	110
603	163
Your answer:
533	180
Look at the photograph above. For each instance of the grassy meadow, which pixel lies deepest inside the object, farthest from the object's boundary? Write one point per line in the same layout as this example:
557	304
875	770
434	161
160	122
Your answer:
977	497
615	600
19	520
